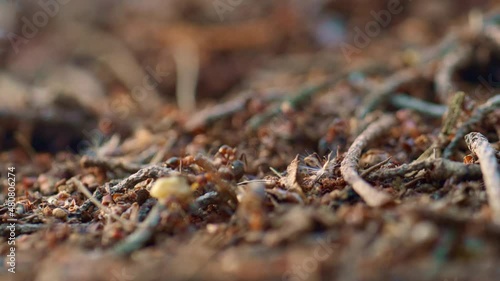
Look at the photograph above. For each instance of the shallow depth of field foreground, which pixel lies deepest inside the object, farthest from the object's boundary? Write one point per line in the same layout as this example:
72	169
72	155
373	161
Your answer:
250	140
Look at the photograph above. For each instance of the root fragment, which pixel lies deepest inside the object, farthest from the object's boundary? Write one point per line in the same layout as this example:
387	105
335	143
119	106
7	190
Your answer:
142	234
479	114
444	77
154	172
349	166
383	92
109	164
440	169
480	146
418	105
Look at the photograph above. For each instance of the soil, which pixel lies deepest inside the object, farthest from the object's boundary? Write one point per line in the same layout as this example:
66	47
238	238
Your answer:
233	140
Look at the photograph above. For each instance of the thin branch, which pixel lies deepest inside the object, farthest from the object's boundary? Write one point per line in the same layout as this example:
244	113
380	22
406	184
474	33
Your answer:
383	92
374	167
418	105
29	228
109	164
187	63
480	146
349	165
307	93
142	234
449	65
444	77
449	124
479	114
294	102
440	169
217	112
154	172
96	202
97	195
453	114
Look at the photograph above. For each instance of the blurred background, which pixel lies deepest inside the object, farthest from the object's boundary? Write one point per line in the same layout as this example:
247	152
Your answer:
68	67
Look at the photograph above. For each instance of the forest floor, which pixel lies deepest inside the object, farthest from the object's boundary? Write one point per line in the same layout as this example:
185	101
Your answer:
374	160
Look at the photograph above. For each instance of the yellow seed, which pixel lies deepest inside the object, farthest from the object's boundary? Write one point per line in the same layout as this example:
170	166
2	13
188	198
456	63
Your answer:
177	187
59	213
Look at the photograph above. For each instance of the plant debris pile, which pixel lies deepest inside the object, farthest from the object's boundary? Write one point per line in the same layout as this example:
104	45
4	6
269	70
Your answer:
302	157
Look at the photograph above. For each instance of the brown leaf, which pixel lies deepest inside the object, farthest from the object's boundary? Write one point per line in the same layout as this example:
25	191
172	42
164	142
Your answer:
290	181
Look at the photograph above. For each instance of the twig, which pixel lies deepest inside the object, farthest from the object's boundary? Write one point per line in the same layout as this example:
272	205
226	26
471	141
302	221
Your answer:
449	65
109	164
449	123
418	105
374	167
160	154
440	169
294	102
112	52
480	146
186	58
479	114
142	234
212	114
154	172
29	228
96	202
349	165
307	93
453	114
382	92
97	195
444	76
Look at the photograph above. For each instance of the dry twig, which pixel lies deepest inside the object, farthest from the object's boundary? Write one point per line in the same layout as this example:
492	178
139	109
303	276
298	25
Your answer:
142	234
480	146
153	172
109	164
217	112
382	92
186	57
440	169
449	124
96	202
418	105
374	167
449	65
295	101
97	195
453	114
29	228
349	165
479	114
